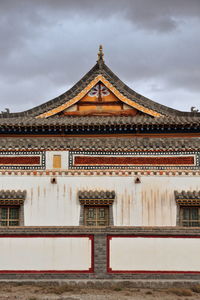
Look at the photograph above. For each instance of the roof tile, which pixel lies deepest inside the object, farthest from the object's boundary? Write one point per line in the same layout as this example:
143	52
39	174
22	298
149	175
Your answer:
100	144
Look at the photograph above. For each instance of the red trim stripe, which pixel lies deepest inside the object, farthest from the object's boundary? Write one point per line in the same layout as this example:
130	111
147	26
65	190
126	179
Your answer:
133	160
19	160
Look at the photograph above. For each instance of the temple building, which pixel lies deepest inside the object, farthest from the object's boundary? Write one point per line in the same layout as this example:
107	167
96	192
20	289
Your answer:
100	182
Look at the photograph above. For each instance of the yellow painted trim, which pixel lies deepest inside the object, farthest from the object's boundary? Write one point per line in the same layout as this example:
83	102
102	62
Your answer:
88	88
56	161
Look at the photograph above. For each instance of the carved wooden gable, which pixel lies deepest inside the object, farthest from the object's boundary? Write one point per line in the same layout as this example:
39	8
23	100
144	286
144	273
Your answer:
100	100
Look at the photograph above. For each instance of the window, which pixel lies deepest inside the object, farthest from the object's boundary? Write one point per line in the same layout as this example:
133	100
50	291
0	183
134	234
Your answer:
96	215
11	207
57	161
188	208
190	216
9	215
96	207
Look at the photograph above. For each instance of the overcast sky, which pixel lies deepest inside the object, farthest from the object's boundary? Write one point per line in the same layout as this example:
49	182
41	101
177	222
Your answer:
48	45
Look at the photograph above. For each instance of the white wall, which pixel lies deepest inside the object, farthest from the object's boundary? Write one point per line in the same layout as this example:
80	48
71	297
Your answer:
45	253
154	254
149	203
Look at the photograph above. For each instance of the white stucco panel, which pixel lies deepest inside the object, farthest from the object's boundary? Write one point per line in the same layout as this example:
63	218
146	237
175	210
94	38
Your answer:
149	203
64	159
45	253
154	254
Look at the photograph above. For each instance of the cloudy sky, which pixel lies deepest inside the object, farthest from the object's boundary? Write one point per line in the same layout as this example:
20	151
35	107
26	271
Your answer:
48	45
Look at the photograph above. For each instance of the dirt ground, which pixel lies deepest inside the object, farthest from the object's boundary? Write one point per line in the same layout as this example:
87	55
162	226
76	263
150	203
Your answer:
44	291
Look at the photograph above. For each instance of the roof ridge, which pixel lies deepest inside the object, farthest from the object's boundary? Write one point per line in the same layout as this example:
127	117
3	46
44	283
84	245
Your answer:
99	68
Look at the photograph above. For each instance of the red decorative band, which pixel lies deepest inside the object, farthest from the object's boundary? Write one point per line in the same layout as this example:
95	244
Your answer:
133	160
19	160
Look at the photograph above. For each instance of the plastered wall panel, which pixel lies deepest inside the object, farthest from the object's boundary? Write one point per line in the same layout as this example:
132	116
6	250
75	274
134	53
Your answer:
137	254
46	253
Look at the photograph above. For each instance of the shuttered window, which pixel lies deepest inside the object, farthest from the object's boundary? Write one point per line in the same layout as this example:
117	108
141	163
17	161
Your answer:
190	216
9	216
96	215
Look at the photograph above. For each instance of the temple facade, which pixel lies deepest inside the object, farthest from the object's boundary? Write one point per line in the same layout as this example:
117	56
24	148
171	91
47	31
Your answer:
100	182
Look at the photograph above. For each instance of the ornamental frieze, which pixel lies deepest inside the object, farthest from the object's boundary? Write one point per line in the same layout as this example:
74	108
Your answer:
133	160
22	160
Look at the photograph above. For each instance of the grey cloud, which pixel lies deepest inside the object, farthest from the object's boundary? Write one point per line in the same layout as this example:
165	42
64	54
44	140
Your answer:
150	14
46	46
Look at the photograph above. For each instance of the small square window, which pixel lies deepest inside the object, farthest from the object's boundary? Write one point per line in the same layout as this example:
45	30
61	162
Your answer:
190	216
9	215
96	215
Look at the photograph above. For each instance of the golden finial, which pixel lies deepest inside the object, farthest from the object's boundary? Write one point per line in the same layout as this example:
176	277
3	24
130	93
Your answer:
100	54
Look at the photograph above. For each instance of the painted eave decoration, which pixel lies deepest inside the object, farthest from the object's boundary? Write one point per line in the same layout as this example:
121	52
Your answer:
88	90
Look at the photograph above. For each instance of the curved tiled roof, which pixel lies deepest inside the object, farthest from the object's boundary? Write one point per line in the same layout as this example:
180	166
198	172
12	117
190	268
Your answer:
100	68
187	198
99	144
90	194
187	195
90	197
11	194
74	121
